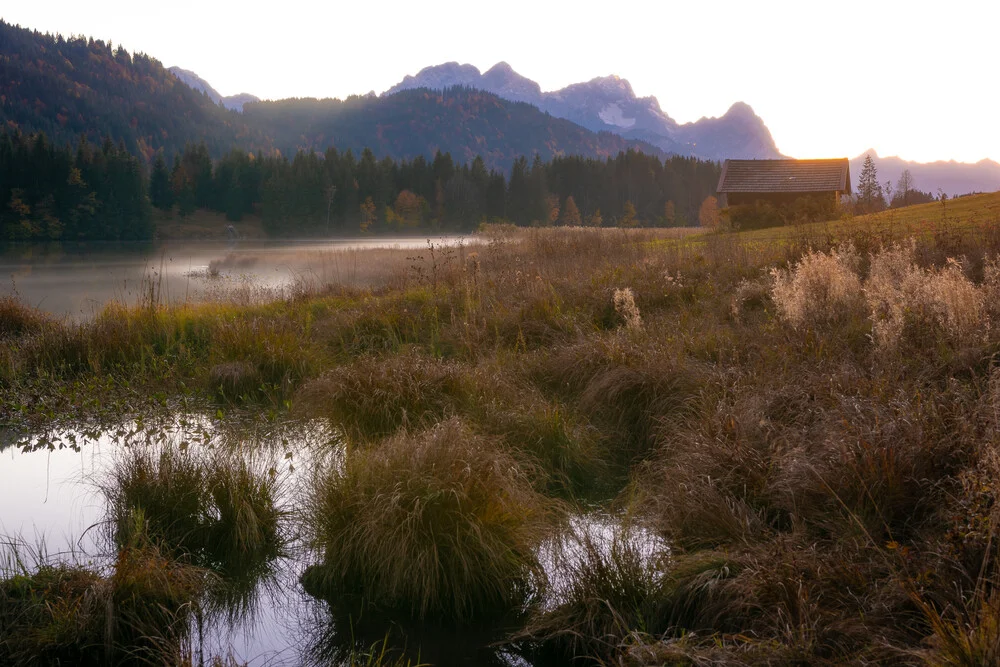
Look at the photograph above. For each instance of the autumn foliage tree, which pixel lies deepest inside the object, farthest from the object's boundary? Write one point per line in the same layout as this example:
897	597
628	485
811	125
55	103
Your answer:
708	214
570	213
670	213
628	218
409	209
367	214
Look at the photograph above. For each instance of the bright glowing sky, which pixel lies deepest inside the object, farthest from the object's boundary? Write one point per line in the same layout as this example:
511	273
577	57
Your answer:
916	79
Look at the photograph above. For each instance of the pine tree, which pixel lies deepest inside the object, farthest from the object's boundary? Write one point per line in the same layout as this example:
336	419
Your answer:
870	196
160	193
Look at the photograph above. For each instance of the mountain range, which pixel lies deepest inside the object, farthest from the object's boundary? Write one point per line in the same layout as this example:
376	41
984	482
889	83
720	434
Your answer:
462	121
75	87
608	104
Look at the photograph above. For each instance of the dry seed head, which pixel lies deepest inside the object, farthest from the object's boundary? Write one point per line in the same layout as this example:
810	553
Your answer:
624	301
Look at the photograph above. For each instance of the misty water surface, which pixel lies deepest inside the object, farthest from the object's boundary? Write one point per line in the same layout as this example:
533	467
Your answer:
77	280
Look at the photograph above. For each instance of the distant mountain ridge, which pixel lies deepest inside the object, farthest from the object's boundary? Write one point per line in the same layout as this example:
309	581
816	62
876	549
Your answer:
608	104
68	88
953	178
234	102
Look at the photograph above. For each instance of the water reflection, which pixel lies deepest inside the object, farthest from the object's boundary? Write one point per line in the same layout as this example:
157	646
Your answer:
76	491
55	505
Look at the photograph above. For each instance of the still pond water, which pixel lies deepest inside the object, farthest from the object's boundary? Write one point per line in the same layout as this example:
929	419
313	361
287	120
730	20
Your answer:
51	502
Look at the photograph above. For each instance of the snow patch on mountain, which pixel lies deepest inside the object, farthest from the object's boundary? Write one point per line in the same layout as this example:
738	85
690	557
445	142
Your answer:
612	114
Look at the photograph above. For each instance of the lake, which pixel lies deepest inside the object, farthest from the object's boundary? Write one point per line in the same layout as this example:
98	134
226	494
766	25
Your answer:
77	280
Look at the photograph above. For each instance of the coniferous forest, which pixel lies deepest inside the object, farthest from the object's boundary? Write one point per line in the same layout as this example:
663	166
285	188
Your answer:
51	192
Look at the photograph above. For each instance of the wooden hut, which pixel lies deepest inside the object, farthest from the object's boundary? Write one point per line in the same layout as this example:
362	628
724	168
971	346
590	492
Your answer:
782	182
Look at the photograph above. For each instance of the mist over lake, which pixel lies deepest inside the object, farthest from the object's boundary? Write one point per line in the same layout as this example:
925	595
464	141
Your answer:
77	280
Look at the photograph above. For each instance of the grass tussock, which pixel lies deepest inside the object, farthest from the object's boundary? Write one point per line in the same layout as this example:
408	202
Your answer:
219	511
18	318
610	581
140	613
631	386
441	526
375	397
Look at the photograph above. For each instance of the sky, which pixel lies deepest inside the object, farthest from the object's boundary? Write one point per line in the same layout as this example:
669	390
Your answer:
915	79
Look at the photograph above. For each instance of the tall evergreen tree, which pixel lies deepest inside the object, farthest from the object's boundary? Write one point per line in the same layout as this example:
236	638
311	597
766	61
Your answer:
870	197
160	193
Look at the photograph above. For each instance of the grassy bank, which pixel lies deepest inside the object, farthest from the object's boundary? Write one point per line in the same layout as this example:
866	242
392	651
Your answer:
806	416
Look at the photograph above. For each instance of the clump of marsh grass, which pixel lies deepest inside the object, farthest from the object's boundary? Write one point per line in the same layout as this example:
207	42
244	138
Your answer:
564	448
819	288
17	318
219	511
748	296
270	350
901	299
441	526
608	580
901	296
374	397
233	379
624	302
629	385
140	613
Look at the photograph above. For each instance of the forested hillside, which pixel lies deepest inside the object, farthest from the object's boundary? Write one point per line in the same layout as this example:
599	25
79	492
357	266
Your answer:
71	87
91	135
460	121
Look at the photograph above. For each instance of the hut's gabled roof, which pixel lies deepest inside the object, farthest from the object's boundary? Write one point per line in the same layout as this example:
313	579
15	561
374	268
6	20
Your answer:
786	176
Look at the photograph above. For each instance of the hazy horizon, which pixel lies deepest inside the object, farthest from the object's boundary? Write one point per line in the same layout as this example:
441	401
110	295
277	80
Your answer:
903	79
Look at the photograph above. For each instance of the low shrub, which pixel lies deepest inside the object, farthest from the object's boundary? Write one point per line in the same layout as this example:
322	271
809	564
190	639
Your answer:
819	288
